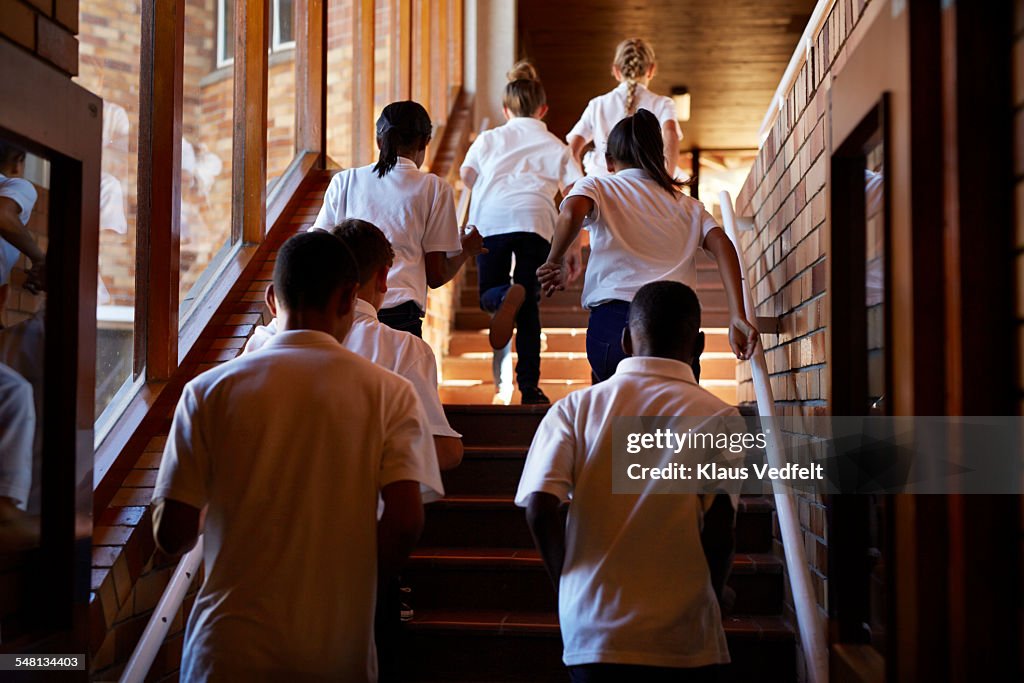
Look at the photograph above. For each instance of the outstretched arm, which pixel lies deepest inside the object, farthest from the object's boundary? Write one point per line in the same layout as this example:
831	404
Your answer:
670	135
743	334
576	145
554	274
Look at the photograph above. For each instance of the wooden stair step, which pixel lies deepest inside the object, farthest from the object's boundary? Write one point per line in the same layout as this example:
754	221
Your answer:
515	578
557	366
480	520
566	340
479	393
494	645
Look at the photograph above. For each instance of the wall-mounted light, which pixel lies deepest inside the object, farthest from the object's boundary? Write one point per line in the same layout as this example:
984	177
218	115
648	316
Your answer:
681	97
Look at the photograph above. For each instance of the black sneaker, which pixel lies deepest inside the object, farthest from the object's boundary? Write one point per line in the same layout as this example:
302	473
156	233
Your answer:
533	396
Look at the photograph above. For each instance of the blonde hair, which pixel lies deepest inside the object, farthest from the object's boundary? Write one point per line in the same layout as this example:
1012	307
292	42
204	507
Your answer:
633	58
524	94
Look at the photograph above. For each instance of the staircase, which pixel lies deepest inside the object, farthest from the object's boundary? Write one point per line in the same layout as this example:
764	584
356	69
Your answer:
484	607
466	376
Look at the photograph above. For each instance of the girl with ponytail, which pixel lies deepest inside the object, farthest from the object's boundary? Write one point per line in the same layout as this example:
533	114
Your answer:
633	67
642	229
415	210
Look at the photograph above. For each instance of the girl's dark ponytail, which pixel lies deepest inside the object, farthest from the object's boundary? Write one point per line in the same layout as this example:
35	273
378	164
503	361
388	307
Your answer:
403	127
636	140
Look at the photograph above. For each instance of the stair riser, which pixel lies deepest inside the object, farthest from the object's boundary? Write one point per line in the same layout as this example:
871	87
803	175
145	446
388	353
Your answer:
505	527
529	588
484	477
495	429
707	277
472	342
570	368
481	394
475	319
466	655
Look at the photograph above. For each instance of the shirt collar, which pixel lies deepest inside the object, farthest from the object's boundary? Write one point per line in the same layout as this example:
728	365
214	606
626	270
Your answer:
624	85
661	367
301	338
365	309
526	122
405	162
634	173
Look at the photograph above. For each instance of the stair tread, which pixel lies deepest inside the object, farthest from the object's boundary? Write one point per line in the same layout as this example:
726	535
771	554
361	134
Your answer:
546	623
743	563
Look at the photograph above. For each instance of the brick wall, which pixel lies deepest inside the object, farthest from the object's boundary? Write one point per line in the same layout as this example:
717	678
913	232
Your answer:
785	254
45	28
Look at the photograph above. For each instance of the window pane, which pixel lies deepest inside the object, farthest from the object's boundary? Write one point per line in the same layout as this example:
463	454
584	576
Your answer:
286	21
281	101
454	49
109	39
208	94
339	81
382	58
226	30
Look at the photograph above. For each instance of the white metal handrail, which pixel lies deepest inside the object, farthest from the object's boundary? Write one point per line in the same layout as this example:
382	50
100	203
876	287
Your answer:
160	622
809	621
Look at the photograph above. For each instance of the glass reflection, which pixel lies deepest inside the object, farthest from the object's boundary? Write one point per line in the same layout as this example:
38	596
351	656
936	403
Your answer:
24	190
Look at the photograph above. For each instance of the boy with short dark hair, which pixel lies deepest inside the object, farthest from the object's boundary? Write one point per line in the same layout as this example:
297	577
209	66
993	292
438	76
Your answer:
664	622
287	450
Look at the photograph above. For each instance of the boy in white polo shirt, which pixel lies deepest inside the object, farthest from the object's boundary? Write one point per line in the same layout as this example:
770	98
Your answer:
635	597
17	199
515	171
399	352
288	450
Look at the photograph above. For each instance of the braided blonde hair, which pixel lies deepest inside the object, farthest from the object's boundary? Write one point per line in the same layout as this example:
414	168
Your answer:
633	58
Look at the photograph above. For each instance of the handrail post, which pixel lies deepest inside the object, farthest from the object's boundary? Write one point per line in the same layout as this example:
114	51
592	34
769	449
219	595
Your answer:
160	622
809	622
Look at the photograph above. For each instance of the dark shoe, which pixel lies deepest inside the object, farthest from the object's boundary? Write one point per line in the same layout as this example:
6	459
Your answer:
504	321
533	396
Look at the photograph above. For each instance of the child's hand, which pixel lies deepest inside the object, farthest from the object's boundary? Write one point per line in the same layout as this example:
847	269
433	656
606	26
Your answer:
472	242
552	276
743	337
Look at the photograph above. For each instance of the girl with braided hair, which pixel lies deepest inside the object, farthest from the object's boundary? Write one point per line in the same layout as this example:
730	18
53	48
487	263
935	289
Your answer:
642	229
634	66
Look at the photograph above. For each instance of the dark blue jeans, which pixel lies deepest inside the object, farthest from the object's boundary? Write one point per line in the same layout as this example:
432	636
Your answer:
406	317
531	251
604	338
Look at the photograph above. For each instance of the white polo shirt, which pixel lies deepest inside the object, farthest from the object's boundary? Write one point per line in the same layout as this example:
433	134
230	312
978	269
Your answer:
400	352
639	233
604	111
24	194
290	448
635	587
520	167
414	209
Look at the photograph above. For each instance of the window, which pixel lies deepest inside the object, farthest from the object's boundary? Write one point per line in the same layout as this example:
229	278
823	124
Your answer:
282	28
340	79
109	38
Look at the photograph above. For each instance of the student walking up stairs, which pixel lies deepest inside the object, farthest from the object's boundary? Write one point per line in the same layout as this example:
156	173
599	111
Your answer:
484	608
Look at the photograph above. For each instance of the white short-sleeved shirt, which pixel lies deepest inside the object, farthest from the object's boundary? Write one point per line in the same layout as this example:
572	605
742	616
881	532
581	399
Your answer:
520	167
290	448
604	111
400	352
17	436
24	195
635	587
639	233
415	210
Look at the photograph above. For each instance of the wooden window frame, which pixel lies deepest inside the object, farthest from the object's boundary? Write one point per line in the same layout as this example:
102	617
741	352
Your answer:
69	137
161	344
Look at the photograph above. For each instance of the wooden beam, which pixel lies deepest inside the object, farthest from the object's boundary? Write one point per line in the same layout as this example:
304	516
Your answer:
402	49
421	53
439	64
362	85
249	147
310	72
159	188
